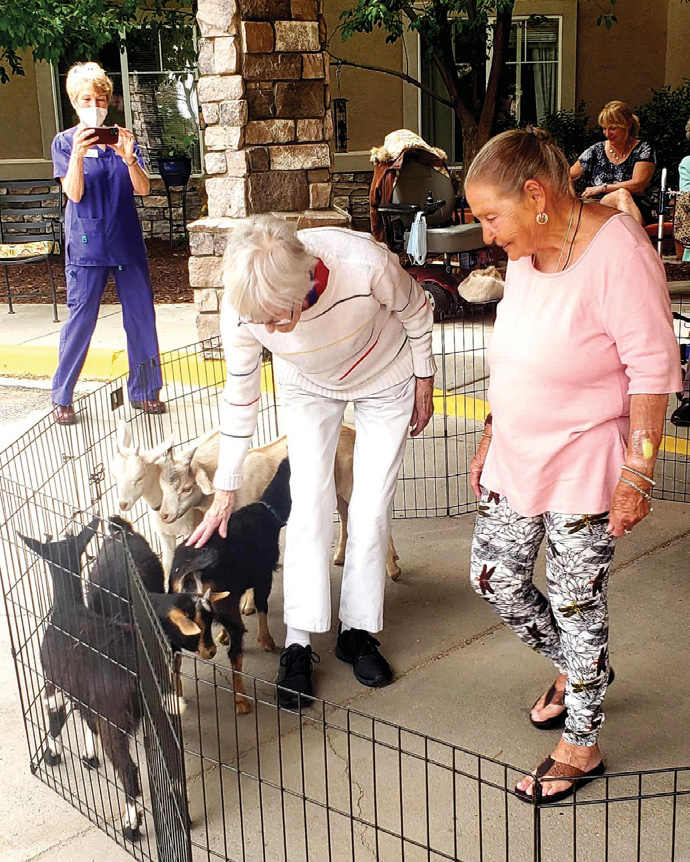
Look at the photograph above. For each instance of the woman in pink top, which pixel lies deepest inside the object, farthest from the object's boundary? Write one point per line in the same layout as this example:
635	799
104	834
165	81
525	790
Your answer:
582	359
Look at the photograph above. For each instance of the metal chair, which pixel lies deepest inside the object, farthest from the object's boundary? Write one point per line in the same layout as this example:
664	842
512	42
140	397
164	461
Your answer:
30	229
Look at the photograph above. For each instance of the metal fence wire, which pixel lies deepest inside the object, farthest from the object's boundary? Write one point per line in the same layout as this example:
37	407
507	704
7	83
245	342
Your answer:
104	726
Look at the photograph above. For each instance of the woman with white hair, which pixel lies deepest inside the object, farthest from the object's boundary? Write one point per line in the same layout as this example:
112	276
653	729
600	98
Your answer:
103	237
345	323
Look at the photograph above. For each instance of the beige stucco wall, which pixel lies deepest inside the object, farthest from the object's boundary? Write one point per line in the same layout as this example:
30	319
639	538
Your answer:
27	122
375	104
628	60
677	50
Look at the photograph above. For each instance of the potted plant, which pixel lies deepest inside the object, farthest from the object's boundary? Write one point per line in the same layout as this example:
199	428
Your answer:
174	159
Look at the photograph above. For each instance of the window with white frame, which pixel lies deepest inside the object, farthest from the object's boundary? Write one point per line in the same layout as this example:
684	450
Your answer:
154	92
529	87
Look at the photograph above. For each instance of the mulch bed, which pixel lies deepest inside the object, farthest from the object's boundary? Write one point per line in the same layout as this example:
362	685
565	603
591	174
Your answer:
169	274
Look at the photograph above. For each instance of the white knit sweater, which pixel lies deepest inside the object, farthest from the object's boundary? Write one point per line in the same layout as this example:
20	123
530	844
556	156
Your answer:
369	330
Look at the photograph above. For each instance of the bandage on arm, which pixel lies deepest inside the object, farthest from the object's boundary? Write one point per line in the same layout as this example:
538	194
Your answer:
647	415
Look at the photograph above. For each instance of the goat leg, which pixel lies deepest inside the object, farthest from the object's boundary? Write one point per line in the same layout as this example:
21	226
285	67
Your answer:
392	567
116	746
247	605
266	642
57	715
242	703
89	755
339	555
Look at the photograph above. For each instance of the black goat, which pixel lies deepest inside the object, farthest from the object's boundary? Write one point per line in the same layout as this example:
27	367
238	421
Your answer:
187	619
244	560
91	662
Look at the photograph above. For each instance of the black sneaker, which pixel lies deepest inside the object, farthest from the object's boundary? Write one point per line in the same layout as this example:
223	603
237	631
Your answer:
361	650
681	415
295	674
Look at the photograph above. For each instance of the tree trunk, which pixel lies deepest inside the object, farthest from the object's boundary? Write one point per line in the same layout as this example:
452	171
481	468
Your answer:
472	140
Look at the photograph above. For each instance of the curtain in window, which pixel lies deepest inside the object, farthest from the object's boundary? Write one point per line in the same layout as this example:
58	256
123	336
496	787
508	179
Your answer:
545	78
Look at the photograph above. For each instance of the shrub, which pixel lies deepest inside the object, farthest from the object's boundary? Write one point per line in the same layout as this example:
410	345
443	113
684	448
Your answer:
571	131
662	123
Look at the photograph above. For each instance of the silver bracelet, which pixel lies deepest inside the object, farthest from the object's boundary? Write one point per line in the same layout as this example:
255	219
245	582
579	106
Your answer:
636	487
637	473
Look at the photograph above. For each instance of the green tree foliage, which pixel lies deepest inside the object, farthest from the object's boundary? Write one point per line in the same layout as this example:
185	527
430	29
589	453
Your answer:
662	123
572	131
479	29
472	27
54	28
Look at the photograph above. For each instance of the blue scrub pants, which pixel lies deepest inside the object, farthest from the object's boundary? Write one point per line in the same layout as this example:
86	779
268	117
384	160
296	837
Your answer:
85	287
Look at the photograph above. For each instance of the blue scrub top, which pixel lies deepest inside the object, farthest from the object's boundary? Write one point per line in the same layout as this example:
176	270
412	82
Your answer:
103	229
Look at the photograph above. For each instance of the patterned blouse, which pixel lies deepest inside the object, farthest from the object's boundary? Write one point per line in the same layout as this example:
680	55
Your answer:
599	170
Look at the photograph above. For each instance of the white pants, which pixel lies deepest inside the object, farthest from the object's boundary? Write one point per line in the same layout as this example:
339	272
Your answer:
312	423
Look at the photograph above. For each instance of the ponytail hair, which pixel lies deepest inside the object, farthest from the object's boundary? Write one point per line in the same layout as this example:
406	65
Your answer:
513	157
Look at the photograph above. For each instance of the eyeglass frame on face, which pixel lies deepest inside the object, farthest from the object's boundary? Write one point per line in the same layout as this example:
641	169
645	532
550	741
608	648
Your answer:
285	322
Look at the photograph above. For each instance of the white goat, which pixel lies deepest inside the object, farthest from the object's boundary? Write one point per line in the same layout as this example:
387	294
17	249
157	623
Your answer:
137	476
187	483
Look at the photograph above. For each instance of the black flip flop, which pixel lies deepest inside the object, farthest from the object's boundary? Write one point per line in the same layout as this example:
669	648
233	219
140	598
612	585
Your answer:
556	720
563	772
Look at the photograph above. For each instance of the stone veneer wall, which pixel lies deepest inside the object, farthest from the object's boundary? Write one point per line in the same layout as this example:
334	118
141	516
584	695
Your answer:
153	209
265	102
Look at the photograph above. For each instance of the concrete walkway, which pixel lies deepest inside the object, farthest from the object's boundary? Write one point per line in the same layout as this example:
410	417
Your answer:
460	675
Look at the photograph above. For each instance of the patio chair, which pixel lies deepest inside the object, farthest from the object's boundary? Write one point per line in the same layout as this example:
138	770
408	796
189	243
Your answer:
30	229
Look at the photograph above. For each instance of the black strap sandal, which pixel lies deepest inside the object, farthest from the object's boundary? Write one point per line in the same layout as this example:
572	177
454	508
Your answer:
553	769
557	720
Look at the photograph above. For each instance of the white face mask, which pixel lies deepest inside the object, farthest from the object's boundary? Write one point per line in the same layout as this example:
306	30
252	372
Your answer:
93	116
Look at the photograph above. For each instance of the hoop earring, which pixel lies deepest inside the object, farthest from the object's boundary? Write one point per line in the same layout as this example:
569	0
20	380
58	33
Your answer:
542	218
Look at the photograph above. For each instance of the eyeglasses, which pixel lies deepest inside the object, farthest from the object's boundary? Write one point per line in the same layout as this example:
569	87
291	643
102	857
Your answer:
284	322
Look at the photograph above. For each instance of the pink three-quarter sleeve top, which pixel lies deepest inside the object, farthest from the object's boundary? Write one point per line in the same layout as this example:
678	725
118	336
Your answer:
568	351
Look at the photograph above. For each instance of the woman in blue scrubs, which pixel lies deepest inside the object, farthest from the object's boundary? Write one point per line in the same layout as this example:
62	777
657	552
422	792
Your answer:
103	237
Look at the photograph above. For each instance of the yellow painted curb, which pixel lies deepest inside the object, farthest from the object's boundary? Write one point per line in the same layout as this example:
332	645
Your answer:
191	369
22	361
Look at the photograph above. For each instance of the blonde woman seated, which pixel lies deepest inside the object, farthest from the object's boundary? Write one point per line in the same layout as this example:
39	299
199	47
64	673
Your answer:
344	322
619	169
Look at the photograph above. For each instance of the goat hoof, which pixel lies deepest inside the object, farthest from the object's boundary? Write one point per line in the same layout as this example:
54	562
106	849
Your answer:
339	559
394	573
242	705
267	644
90	762
51	759
247	607
223	638
131	834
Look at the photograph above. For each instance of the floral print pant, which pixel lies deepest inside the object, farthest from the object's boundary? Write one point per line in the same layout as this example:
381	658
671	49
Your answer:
571	627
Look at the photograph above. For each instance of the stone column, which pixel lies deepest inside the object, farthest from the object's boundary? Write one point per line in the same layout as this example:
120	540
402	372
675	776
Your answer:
265	102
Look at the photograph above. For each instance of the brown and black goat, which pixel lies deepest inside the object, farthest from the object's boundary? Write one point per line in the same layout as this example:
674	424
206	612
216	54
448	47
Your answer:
89	661
244	560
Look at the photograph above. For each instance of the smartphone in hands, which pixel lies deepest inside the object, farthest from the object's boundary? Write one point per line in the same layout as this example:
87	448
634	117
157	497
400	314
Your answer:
106	134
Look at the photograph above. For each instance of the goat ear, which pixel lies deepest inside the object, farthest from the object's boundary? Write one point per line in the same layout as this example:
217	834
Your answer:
124	436
202	480
36	546
186	459
218	597
152	455
188	627
206	557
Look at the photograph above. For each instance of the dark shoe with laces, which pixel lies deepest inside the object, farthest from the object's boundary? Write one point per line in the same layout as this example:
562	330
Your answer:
361	650
681	415
294	676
